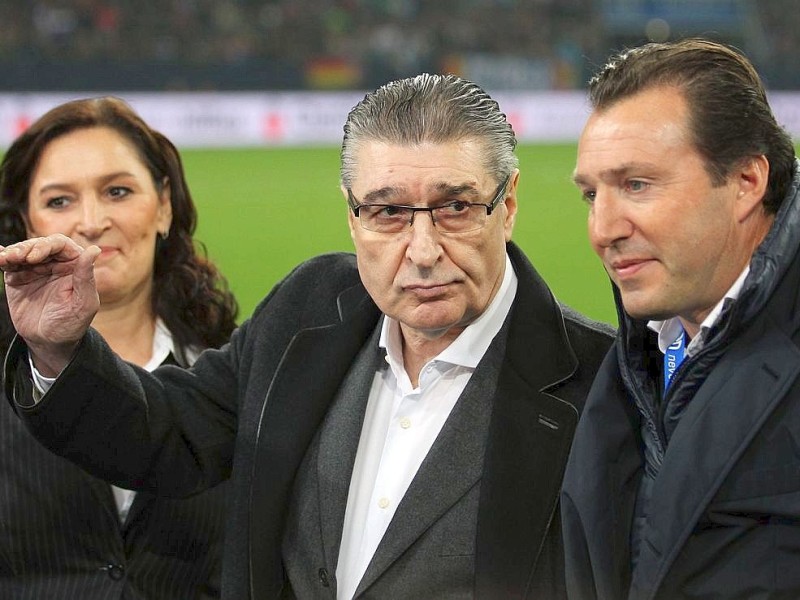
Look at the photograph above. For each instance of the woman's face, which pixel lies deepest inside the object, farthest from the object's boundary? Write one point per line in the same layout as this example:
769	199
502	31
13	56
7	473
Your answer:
91	185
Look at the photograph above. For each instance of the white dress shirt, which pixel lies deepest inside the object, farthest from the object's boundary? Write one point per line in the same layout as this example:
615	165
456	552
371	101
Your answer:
401	424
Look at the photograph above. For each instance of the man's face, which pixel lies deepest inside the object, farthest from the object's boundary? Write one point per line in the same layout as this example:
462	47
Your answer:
670	240
433	283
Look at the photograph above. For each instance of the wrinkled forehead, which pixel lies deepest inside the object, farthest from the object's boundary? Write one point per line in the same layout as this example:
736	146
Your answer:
416	168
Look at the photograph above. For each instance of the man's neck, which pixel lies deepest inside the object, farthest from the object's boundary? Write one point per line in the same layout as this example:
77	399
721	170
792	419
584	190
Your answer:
418	349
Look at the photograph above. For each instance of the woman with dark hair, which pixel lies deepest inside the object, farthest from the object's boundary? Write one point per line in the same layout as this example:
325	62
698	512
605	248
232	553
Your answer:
93	170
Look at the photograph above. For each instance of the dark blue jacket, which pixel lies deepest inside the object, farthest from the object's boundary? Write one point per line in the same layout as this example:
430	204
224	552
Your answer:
717	459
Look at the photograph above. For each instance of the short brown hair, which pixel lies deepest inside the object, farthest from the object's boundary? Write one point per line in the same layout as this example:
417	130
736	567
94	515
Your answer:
730	118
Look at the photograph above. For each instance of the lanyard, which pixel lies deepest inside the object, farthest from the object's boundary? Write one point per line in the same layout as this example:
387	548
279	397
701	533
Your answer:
673	357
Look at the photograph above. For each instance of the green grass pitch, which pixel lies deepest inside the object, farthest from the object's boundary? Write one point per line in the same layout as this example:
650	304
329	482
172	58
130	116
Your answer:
263	211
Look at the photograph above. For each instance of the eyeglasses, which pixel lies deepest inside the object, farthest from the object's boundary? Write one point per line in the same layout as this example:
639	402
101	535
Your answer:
454	217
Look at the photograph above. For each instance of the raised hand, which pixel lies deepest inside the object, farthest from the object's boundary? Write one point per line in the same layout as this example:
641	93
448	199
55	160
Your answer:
52	298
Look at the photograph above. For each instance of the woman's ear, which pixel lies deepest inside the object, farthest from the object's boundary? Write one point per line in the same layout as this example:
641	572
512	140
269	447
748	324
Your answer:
164	217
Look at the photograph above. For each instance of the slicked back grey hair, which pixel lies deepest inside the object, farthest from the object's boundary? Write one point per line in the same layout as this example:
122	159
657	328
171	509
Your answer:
430	108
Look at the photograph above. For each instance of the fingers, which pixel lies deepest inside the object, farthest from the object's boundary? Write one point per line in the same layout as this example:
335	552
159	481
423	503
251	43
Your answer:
83	277
57	247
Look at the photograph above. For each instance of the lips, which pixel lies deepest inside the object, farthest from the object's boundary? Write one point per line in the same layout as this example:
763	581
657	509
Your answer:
107	251
627	268
427	290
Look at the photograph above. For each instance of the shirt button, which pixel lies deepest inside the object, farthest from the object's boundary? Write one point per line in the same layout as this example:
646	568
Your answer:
116	572
405	422
383	502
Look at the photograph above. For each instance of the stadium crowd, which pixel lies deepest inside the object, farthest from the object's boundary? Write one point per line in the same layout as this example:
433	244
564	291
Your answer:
389	36
363	42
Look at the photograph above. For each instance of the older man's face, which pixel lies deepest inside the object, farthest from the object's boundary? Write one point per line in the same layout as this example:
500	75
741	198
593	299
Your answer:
433	282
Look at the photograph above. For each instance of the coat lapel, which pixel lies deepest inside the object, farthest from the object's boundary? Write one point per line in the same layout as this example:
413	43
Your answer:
451	468
600	485
710	439
293	409
339	439
105	498
529	439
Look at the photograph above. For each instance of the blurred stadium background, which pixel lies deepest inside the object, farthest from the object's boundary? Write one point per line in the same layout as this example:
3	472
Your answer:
255	92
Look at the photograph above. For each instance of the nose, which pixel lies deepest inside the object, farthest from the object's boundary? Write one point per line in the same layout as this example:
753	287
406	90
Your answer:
423	247
93	218
608	221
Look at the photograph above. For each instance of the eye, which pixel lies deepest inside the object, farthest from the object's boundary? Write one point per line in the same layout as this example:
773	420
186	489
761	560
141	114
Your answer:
455	208
635	185
588	196
383	212
390	211
57	202
119	191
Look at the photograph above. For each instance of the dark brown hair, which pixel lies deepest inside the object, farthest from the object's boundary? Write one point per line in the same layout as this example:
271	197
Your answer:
730	118
189	293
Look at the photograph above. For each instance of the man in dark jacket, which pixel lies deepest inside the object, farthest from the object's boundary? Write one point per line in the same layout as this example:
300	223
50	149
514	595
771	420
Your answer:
396	423
683	481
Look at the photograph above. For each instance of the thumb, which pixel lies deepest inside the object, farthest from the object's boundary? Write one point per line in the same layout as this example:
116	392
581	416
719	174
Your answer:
83	277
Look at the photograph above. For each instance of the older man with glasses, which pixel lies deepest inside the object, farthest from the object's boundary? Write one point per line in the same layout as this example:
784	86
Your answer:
396	422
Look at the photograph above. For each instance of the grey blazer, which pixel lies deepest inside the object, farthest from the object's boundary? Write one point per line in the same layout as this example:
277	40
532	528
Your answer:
251	411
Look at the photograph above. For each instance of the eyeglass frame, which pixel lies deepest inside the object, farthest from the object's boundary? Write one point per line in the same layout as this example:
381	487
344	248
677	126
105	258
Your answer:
499	196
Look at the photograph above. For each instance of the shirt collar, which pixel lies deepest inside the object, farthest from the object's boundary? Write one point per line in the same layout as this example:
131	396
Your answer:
669	330
163	346
470	346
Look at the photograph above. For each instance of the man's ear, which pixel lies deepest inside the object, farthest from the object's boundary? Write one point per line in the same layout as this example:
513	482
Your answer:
511	204
351	218
752	179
